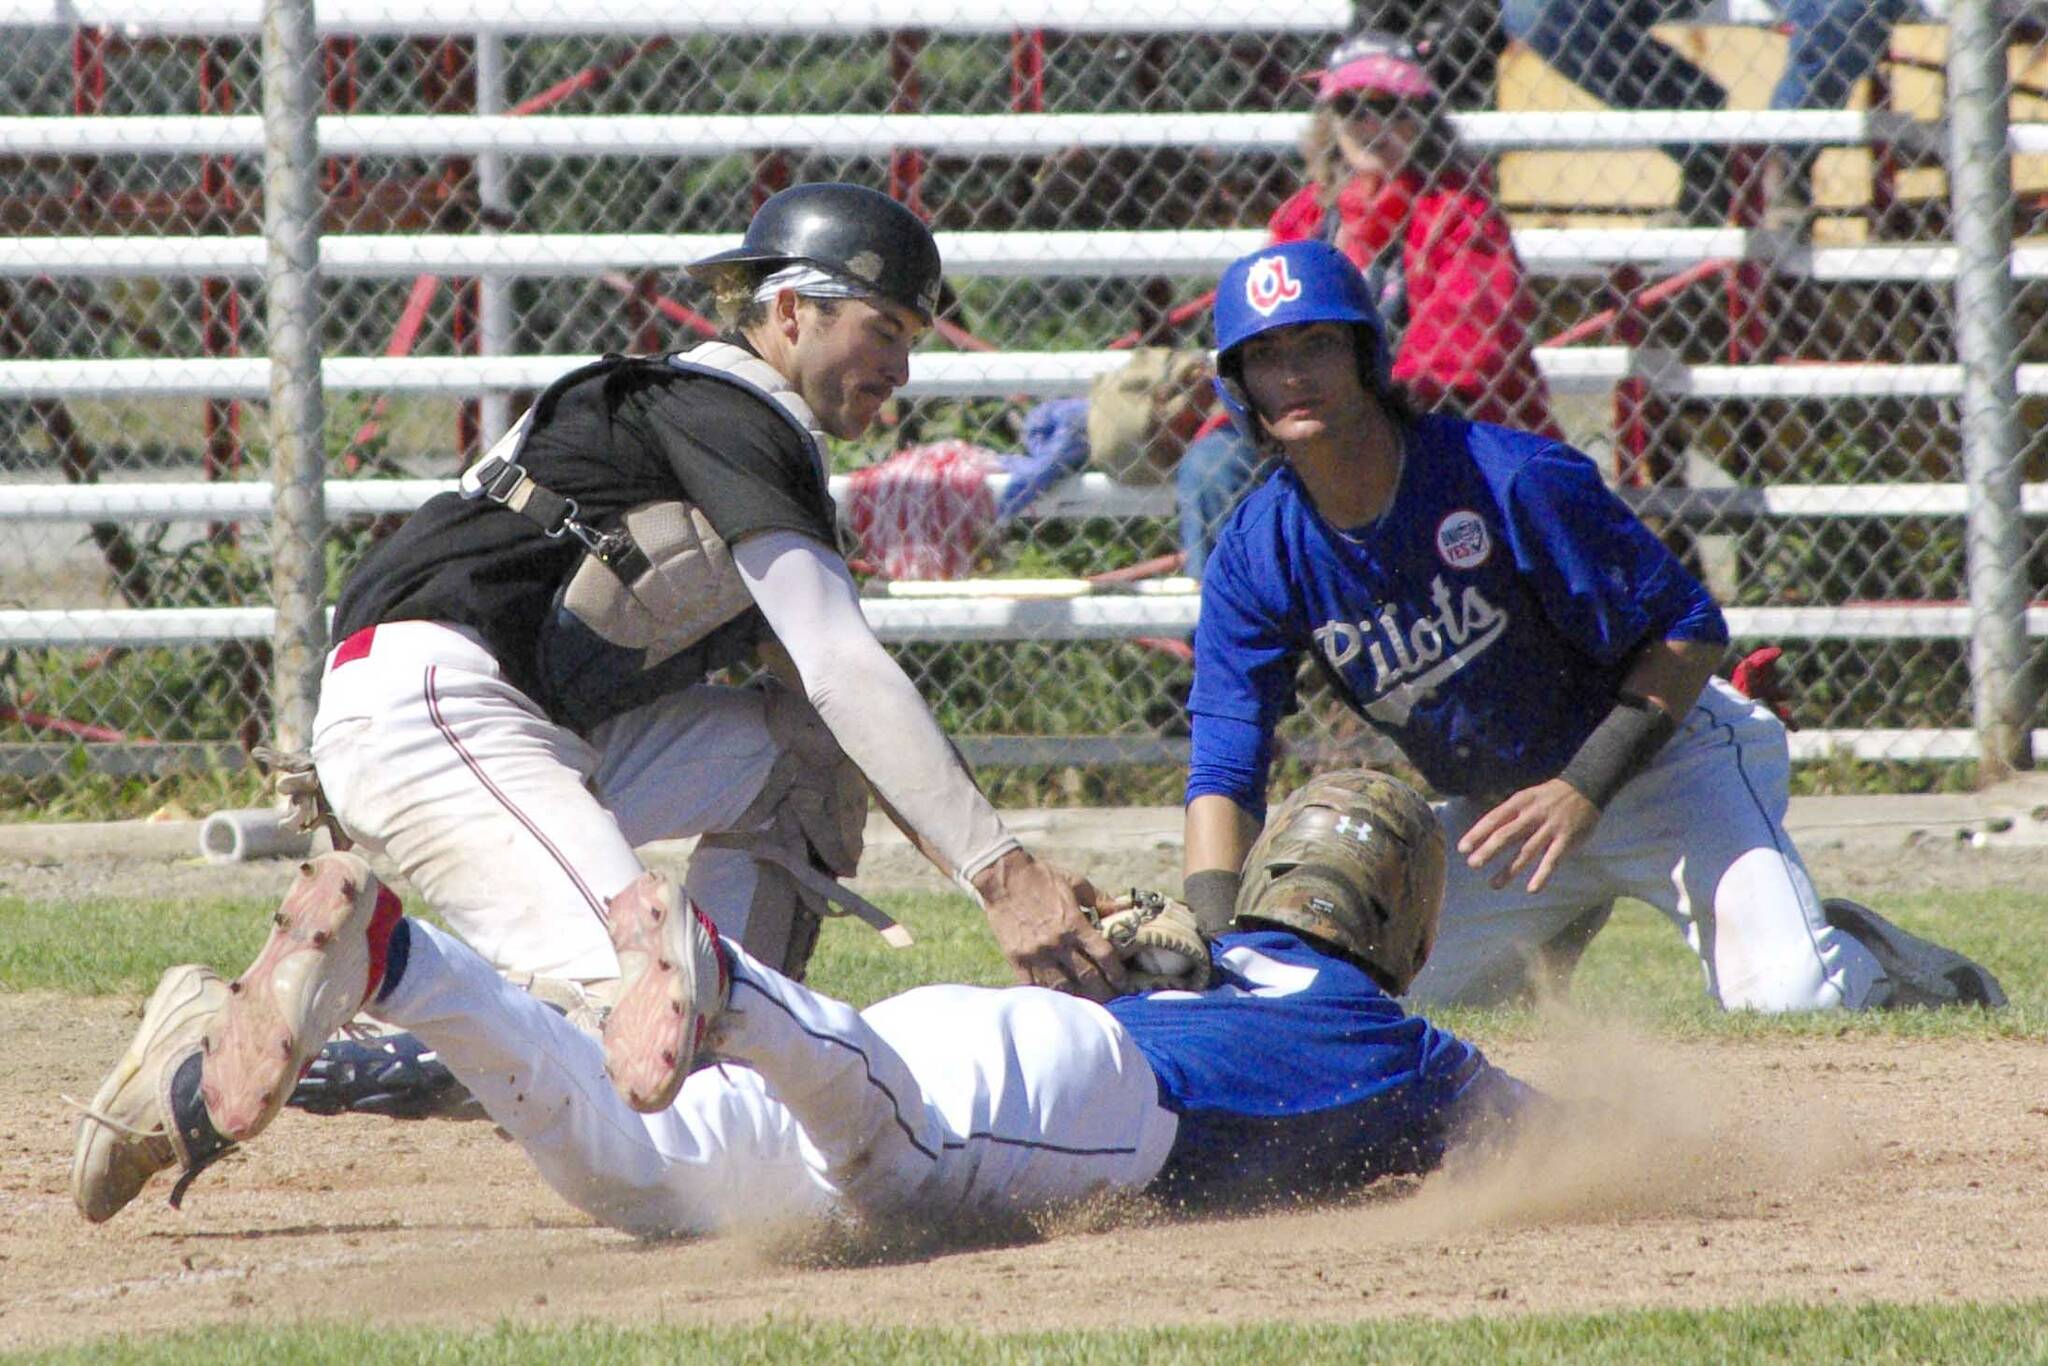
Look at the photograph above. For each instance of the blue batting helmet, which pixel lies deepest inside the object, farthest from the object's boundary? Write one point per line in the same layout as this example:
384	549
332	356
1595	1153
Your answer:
1284	286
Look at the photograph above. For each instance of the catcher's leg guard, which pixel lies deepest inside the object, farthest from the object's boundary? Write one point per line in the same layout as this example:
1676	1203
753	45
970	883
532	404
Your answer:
770	881
148	1115
757	898
394	1075
376	1070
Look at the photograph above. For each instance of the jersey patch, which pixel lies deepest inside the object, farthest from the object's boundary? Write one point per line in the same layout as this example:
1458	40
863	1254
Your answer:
1462	539
1269	284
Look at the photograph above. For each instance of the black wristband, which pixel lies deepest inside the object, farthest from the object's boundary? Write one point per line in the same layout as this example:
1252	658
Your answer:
1212	895
1620	747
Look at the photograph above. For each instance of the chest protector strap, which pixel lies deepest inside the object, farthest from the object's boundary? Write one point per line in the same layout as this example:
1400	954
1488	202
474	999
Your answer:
662	580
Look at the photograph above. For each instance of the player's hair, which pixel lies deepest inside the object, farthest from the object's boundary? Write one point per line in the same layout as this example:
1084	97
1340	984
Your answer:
732	295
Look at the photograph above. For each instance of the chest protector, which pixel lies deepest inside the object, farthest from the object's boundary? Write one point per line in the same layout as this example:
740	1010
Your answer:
655	601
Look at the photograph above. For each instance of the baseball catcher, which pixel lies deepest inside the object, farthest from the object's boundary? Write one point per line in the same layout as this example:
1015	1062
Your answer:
522	693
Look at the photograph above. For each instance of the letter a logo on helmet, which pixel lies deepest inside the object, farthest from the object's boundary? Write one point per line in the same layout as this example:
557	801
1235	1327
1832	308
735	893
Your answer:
1286	286
1269	284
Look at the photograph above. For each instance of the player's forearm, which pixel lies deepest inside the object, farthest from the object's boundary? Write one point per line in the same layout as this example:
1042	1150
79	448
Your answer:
1218	835
869	704
1658	690
1672	673
777	661
917	840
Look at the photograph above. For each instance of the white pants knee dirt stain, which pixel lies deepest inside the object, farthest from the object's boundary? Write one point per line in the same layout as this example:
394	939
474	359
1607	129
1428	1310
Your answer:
516	830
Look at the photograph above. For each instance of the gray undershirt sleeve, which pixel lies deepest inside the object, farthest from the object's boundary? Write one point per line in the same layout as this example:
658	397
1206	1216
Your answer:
868	702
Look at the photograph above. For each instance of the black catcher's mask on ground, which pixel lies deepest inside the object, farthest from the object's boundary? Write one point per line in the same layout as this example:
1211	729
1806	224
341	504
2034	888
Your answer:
858	234
1355	859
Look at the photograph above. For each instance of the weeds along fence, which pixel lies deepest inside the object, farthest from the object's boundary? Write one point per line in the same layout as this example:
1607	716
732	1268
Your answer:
1832	416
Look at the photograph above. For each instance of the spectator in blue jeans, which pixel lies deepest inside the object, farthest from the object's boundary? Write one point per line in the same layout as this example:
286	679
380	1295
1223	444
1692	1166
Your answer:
1214	473
1606	49
1139	424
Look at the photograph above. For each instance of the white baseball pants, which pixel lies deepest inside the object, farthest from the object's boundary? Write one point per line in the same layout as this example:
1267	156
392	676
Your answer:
516	830
941	1101
1700	835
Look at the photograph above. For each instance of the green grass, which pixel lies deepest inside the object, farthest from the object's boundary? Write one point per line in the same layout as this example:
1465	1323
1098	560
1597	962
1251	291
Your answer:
1873	1333
1637	970
98	947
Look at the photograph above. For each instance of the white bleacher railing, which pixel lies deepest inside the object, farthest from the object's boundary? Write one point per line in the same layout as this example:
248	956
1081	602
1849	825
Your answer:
979	617
878	135
969	374
1552	252
1086	495
607	18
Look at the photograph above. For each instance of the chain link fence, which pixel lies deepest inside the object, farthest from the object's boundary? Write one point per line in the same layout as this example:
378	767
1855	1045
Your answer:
1733	289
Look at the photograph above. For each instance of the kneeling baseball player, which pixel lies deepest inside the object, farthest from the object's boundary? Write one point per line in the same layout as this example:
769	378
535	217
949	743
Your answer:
1485	603
1280	1064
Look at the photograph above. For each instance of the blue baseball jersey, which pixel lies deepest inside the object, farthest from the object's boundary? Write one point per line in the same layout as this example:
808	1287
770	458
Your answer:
1484	623
1295	1073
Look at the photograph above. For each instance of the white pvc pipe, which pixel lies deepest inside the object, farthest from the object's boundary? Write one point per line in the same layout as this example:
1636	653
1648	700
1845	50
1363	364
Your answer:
937	374
898	621
239	836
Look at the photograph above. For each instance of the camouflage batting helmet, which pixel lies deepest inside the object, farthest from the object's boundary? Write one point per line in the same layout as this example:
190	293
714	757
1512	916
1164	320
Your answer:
1356	859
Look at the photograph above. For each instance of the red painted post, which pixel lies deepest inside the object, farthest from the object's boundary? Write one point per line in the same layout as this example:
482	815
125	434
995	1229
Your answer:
1632	397
449	86
906	164
1747	287
220	300
1027	71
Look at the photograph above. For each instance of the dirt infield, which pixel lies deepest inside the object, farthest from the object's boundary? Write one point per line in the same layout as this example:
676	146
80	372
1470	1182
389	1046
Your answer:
1718	1173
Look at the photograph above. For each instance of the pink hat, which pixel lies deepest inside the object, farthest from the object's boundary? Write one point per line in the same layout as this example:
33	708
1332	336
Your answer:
1378	63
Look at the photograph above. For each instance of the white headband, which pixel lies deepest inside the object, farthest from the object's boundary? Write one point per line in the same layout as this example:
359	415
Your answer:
810	283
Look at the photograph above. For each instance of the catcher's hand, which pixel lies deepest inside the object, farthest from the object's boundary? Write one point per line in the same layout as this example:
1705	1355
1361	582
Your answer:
292	776
1156	937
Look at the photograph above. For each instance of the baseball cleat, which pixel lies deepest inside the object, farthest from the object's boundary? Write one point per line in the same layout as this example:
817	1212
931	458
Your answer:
1917	972
673	983
147	1115
325	957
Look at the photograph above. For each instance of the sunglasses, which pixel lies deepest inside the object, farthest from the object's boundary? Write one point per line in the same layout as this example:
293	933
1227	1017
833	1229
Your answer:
1350	107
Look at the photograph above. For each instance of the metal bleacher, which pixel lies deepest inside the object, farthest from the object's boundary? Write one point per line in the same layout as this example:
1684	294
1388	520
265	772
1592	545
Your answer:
991	611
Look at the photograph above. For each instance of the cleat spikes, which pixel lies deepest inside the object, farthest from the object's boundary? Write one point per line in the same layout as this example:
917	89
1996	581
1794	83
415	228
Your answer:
671	976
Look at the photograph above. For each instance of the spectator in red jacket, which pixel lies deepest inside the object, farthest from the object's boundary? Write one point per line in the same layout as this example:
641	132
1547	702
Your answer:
1390	185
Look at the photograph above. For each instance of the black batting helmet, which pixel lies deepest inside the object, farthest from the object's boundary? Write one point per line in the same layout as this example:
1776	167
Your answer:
858	234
